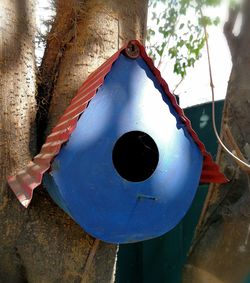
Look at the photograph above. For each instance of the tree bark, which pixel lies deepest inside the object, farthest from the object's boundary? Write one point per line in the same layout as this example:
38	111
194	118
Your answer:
42	244
221	250
17	124
100	28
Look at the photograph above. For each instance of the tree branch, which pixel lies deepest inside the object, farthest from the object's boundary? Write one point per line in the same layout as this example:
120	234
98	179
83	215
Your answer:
228	29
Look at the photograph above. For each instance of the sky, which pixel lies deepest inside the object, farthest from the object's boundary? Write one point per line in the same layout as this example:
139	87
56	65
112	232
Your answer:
43	13
195	89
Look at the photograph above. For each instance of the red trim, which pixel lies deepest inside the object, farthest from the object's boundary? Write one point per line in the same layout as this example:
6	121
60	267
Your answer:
215	176
26	181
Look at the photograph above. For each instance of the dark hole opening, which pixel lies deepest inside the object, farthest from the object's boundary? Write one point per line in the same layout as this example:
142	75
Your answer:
135	156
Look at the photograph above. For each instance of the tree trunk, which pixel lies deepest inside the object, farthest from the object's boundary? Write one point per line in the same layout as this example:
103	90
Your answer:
17	112
17	124
42	244
221	251
99	29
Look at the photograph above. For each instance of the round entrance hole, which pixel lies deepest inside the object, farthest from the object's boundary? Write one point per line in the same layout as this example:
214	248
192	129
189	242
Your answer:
135	156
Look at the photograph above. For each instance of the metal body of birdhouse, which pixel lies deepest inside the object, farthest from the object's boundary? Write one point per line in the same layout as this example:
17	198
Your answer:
124	161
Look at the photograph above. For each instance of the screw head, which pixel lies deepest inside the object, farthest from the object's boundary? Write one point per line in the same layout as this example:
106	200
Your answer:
132	50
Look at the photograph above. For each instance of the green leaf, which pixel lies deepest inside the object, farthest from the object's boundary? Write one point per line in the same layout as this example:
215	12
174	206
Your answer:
181	26
177	34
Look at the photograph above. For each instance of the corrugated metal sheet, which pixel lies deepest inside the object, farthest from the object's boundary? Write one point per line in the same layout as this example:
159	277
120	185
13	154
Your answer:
27	180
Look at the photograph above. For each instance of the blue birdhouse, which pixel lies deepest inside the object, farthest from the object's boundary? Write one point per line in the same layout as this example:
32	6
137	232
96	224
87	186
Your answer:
124	160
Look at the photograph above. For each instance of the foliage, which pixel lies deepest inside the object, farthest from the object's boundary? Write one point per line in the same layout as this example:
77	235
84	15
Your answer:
176	31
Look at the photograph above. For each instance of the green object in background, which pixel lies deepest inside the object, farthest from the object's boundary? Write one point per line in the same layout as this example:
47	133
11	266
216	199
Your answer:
247	280
161	260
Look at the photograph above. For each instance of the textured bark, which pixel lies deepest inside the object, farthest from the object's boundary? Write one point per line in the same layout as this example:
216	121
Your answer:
17	119
99	29
42	244
61	34
221	250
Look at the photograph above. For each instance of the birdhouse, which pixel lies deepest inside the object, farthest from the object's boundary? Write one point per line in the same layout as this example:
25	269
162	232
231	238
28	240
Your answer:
123	161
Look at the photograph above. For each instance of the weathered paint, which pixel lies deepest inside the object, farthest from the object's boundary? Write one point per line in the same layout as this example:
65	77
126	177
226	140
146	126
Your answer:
27	180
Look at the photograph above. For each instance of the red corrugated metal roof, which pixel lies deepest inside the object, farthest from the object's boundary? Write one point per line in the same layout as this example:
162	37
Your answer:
27	180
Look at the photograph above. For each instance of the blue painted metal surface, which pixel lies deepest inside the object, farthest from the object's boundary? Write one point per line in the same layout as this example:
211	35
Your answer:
85	182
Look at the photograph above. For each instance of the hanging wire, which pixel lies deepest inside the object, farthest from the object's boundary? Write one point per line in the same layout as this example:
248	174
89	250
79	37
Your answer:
237	159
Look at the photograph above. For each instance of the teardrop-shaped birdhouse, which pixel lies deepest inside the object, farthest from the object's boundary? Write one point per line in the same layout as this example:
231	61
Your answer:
132	163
